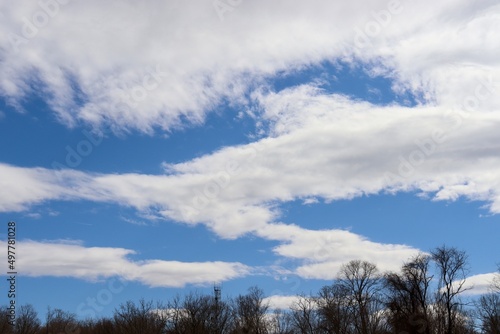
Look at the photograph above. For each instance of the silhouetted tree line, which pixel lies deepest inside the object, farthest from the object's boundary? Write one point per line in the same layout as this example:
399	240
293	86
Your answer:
424	297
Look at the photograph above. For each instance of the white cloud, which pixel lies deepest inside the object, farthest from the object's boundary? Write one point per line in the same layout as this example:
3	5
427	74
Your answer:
20	187
324	252
478	284
67	259
281	302
113	73
175	51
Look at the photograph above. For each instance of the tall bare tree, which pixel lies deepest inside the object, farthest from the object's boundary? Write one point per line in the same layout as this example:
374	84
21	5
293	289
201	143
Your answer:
488	309
408	298
142	318
197	313
250	312
281	323
452	270
27	321
495	285
305	315
363	281
5	326
59	321
333	309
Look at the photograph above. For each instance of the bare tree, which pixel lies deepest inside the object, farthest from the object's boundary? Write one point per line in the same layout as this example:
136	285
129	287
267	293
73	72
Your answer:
452	269
495	285
175	315
5	326
305	315
59	321
199	313
362	280
333	309
488	309
409	296
281	323
143	318
250	312
27	321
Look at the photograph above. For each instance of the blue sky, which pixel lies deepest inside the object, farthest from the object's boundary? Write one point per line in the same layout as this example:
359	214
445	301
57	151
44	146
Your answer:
143	155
